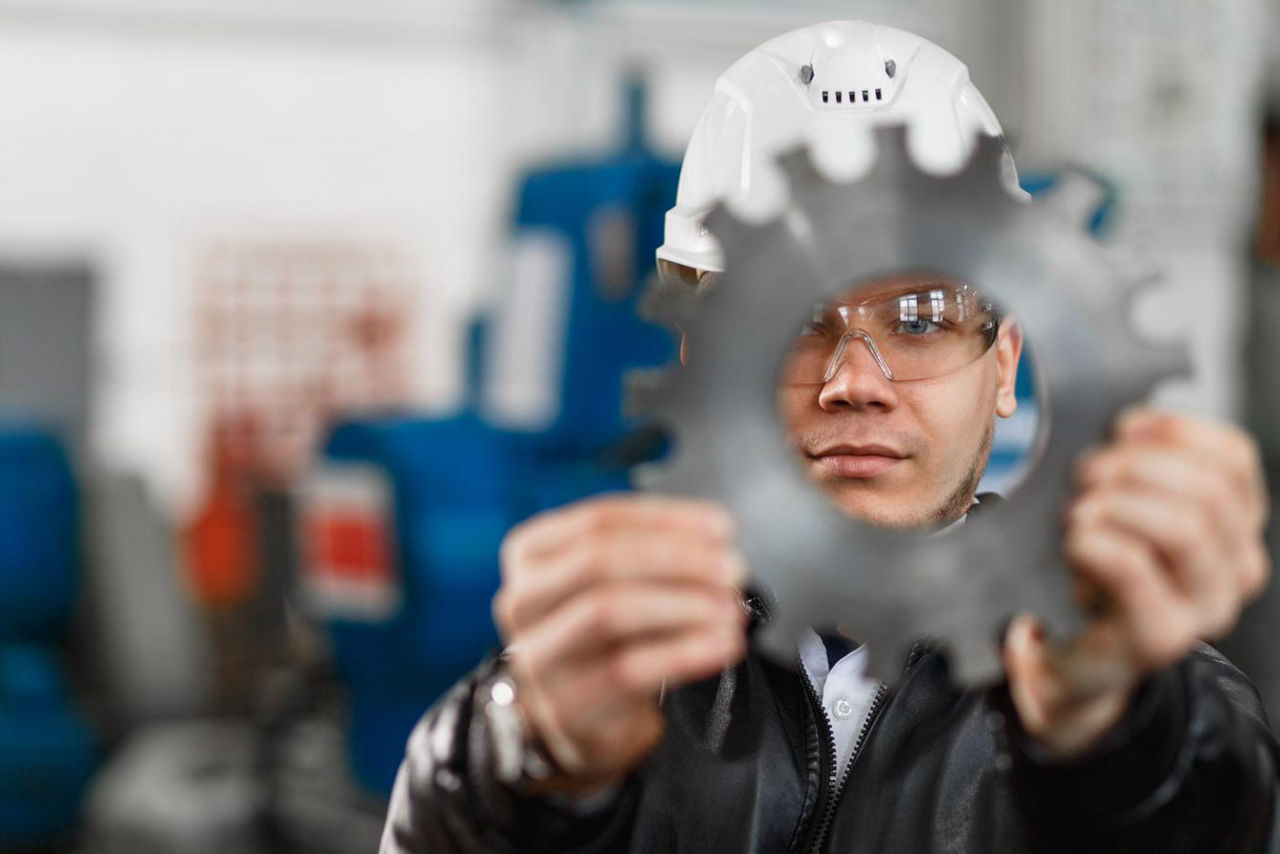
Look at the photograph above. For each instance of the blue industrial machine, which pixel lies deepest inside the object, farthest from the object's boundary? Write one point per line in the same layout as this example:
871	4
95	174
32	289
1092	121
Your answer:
47	752
409	620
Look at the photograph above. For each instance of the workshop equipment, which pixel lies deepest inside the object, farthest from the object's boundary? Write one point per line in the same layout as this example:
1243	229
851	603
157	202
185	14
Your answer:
401	521
47	751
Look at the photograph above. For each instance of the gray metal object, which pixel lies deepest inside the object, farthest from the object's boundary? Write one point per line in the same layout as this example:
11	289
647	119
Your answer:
148	646
822	568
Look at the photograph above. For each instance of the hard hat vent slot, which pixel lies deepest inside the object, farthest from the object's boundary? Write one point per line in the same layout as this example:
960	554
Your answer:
852	94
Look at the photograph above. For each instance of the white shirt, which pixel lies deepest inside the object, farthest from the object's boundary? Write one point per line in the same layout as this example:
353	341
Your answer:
846	691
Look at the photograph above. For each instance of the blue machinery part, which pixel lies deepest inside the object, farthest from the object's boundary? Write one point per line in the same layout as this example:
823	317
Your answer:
47	753
459	483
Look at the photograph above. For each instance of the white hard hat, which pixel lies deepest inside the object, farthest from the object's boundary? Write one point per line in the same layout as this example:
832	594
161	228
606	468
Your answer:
827	86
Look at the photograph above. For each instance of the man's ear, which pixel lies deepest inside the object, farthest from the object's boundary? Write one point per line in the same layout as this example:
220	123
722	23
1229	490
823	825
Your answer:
1008	354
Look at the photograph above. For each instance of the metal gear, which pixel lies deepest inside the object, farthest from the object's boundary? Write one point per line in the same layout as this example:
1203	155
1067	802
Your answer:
818	566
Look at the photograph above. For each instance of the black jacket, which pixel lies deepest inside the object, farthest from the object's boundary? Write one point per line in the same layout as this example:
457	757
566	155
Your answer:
745	765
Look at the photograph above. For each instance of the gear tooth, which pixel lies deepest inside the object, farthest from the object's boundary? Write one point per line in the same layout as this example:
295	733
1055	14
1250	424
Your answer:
651	477
891	138
886	660
986	163
779	638
880	664
1136	268
798	167
893	161
645	391
734	234
1074	198
973	657
1059	623
678	473
668	303
1169	360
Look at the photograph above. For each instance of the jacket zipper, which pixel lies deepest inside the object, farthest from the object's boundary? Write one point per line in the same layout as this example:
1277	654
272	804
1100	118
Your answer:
835	785
832	780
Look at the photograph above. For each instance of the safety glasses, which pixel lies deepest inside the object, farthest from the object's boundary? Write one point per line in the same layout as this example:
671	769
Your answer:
914	331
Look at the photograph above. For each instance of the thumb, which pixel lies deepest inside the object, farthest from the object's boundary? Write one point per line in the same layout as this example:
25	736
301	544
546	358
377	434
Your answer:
1033	682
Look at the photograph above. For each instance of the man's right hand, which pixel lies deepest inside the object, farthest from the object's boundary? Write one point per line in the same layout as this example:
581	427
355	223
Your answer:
603	603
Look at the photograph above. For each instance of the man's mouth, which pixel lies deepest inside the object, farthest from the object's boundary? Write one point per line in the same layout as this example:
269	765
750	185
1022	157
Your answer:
855	461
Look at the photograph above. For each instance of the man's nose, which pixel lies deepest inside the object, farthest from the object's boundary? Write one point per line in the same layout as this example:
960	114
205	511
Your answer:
856	378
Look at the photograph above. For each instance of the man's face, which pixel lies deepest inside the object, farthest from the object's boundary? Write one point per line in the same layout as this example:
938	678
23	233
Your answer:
905	453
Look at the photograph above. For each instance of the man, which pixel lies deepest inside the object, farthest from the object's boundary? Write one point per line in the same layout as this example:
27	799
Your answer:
642	722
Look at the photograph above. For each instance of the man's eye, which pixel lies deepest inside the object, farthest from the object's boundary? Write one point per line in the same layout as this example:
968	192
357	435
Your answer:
920	326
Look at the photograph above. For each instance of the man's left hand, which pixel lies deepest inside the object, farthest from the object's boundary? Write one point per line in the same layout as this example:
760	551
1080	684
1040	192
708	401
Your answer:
1165	538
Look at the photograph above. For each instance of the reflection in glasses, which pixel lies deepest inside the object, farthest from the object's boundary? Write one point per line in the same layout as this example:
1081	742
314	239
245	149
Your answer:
919	330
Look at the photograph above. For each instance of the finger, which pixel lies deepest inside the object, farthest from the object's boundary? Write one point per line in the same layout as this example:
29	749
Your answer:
553	529
644	667
1217	443
592	623
575	698
1256	572
593	739
1152	619
679	558
1206	570
616	742
1235	515
1065	697
1025	664
1043	675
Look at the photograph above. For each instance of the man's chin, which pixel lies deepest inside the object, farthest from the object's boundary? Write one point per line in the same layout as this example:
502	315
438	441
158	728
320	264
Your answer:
882	511
882	507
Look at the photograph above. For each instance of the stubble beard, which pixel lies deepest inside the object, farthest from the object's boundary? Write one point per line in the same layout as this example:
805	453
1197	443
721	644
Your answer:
960	500
951	508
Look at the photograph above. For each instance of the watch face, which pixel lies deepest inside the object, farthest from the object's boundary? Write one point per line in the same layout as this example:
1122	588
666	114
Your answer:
506	725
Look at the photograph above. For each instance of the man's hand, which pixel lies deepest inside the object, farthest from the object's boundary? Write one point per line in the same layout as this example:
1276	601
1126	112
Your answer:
602	604
1165	537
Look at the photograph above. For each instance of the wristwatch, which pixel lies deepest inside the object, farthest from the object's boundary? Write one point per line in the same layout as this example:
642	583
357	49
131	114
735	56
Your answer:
520	759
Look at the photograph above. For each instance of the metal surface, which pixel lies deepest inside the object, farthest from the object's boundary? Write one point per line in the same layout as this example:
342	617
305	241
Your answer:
822	568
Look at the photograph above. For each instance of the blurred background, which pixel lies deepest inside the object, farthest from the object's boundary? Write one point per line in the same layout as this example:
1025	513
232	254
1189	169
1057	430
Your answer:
302	305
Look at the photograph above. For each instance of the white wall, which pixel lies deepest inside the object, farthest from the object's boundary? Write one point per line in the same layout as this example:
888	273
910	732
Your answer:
1164	99
134	145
